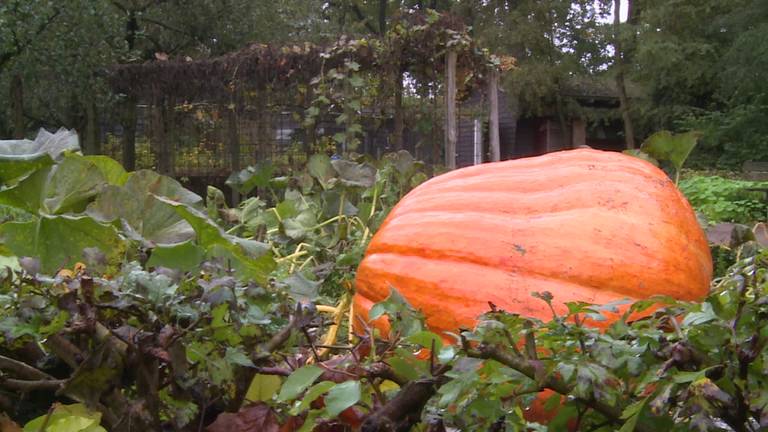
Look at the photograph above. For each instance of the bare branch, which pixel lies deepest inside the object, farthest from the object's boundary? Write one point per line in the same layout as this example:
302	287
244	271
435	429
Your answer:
22	370
404	410
30	385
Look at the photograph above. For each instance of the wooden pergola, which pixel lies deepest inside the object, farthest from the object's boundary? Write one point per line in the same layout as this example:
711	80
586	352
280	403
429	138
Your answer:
425	43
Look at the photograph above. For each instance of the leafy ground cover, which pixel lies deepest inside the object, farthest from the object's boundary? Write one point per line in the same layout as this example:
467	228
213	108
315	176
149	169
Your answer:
129	303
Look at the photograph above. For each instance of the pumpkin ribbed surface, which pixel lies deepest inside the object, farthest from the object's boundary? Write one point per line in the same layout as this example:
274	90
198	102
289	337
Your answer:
585	225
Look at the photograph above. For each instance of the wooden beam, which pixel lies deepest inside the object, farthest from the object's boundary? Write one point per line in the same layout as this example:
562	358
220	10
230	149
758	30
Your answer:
17	107
92	134
477	128
451	123
164	135
128	140
493	116
233	145
578	133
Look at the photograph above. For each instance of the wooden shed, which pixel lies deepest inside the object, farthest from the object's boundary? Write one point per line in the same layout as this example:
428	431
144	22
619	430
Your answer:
598	126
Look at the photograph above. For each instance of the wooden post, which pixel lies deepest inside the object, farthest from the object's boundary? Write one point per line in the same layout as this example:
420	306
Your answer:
17	106
477	130
169	124
451	123
128	140
92	135
233	143
161	136
493	116
578	133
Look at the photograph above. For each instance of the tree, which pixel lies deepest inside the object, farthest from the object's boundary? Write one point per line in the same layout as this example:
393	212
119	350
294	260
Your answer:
618	64
553	41
65	47
702	66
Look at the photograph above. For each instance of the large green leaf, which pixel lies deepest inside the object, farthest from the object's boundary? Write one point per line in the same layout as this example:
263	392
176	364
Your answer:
58	241
14	167
250	259
183	256
675	148
355	174
402	160
28	193
254	176
319	166
113	172
149	219
72	184
66	187
641	155
20	157
301	288
301	225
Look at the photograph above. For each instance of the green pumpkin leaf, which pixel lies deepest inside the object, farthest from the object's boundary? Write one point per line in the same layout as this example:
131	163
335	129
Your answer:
28	193
21	157
183	256
15	167
319	166
301	288
148	219
111	169
641	155
254	176
355	174
59	241
72	184
675	148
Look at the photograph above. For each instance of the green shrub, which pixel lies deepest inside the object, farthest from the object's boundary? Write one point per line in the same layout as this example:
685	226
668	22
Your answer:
725	200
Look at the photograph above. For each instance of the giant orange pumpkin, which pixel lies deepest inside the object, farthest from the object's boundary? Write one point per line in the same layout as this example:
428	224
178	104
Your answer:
585	225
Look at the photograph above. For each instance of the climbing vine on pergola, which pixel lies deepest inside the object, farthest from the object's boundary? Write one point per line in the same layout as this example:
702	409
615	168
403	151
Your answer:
434	50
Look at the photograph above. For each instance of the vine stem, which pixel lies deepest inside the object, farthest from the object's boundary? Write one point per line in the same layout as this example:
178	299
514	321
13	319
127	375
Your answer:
367	231
551	381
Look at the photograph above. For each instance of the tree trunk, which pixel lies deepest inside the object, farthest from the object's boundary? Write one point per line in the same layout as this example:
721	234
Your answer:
565	134
399	117
17	107
633	11
383	17
629	133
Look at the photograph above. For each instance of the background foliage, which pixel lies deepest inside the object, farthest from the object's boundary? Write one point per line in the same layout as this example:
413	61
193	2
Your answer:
690	64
